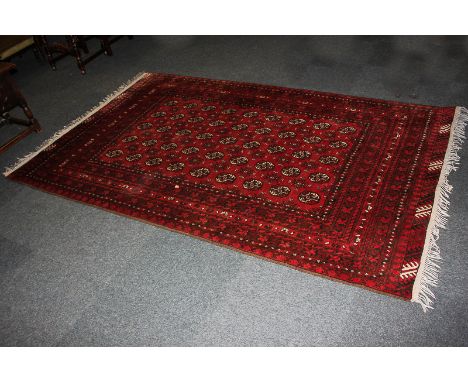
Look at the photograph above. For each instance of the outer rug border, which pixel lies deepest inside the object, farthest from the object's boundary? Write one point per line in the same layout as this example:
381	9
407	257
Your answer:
428	272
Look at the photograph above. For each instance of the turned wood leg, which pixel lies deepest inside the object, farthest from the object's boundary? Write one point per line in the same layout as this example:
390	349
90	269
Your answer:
32	124
105	44
11	98
82	44
38	54
45	48
73	41
32	121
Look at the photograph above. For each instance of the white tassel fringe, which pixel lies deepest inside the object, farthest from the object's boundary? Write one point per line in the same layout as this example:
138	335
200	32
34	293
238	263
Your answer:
428	273
21	161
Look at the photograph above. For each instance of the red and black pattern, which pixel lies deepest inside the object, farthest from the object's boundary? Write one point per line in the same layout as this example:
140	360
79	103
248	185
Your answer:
336	185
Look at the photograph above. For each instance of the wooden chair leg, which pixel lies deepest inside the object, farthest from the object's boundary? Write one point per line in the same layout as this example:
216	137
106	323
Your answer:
11	97
106	46
38	54
73	41
32	121
82	44
44	46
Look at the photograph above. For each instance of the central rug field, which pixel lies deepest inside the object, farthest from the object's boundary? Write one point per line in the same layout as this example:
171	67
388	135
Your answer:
349	188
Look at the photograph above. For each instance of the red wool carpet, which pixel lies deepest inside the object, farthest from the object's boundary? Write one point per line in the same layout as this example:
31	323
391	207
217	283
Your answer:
350	188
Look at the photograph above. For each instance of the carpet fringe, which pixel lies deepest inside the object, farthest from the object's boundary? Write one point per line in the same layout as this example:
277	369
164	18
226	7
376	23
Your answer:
428	273
21	161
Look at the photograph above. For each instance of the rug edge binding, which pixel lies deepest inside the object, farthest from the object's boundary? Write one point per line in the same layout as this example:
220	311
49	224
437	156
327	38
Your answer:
70	126
428	273
429	268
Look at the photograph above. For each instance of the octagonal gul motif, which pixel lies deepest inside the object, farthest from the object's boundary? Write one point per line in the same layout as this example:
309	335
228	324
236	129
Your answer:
321	126
225	178
313	139
251	145
241	126
252	184
145	126
264	166
196	119
290	171
338	144
319	177
329	159
347	130
130	139
191	150
309	197
297	121
286	134
276	149
239	160
303	154
214	155
175	166
153	161
134	157
149	142
280	191
114	153
263	130
200	172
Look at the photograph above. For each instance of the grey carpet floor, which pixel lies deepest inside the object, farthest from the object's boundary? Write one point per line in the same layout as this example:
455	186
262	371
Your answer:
73	275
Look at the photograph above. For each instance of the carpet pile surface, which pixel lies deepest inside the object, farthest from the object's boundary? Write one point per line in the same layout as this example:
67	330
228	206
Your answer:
350	188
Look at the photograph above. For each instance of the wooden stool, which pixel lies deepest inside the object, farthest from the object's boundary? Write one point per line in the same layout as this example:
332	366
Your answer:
10	98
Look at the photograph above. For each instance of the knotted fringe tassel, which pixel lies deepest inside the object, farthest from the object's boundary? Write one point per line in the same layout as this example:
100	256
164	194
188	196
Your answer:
428	273
21	161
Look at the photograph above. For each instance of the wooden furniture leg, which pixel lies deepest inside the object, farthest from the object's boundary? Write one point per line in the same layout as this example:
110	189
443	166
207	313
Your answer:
44	47
106	45
73	42
77	47
10	98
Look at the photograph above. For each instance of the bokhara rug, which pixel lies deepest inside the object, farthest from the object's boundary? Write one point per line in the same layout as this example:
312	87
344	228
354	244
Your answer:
349	188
